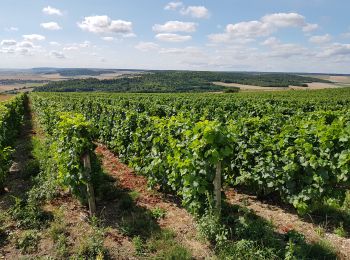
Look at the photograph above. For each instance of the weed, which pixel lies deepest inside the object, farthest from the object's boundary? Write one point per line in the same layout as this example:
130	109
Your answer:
28	241
58	226
61	246
340	231
126	202
92	244
210	227
134	195
31	169
164	245
29	214
320	231
158	213
246	249
138	244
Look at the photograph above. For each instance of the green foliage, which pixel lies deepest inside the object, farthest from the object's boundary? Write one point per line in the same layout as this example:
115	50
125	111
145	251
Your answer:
246	249
340	231
290	144
73	140
176	81
92	244
210	227
164	245
28	241
158	213
11	118
139	245
29	214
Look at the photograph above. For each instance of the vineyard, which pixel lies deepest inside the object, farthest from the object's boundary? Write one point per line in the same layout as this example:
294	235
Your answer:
296	146
292	147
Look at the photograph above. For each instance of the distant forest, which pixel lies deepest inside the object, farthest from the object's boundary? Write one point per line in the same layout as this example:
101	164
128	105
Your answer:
178	81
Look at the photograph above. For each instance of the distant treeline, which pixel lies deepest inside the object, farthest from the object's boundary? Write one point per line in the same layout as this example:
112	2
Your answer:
178	81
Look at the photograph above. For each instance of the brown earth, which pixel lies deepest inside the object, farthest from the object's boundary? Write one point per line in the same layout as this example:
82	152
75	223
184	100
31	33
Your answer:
176	218
285	219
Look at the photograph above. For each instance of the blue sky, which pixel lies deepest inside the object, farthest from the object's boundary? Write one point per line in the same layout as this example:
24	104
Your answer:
249	35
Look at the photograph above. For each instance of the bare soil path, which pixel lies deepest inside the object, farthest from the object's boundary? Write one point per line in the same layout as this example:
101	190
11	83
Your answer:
176	218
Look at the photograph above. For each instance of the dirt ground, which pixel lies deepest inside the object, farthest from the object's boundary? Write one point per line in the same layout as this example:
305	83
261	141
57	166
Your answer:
176	218
285	219
5	97
311	86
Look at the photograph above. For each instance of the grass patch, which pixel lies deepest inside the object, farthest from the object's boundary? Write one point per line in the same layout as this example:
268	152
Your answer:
247	236
27	242
158	213
92	244
164	246
29	215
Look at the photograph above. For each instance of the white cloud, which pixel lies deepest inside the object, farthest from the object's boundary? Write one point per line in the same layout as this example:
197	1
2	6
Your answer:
26	44
320	39
267	25
54	43
107	38
84	44
52	11
77	46
11	29
8	43
280	20
190	51
57	54
147	46
53	26
102	24
175	26
272	41
172	37
196	11
71	48
33	37
173	6
310	27
336	49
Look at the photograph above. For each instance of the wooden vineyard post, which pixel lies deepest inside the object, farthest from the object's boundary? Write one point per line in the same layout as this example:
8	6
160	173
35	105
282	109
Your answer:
90	188
217	187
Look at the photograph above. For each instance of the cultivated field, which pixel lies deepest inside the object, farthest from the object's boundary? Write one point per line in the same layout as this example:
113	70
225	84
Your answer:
311	86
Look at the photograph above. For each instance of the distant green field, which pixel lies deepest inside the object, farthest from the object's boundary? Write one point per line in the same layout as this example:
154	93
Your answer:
178	81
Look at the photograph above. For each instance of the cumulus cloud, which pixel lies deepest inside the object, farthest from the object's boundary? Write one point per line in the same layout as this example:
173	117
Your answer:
8	43
175	26
107	38
267	25
336	49
57	54
173	37
320	39
173	6
147	46
53	26
26	44
102	24
52	11
195	11
310	27
33	37
280	20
